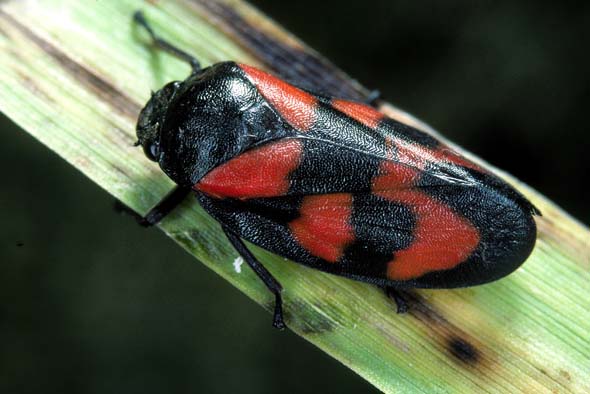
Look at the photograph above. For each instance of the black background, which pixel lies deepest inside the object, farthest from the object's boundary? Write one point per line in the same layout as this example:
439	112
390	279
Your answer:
90	302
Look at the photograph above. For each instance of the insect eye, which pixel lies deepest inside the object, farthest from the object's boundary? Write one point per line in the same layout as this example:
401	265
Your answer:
152	152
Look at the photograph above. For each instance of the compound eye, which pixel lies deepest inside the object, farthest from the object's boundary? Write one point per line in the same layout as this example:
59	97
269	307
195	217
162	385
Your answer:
152	152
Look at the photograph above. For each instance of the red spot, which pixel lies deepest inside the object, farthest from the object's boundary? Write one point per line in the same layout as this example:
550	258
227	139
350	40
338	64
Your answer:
442	238
296	106
418	156
393	176
324	225
259	172
365	114
414	155
447	154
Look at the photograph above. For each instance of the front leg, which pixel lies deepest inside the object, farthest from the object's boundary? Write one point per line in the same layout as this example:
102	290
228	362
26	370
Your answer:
161	210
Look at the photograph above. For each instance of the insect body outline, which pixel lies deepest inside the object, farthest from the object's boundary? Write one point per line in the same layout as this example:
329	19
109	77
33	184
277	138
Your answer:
329	183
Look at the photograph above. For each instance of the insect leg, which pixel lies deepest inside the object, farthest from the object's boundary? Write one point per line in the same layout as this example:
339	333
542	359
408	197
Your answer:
271	283
400	301
139	18
163	208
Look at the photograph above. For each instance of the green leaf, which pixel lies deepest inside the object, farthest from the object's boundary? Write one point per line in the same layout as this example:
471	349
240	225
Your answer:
75	75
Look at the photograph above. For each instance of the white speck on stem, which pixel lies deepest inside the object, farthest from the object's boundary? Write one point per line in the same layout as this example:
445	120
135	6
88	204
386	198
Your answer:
238	264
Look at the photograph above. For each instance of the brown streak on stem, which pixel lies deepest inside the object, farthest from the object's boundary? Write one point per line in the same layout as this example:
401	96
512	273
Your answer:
464	348
34	88
291	62
459	344
104	90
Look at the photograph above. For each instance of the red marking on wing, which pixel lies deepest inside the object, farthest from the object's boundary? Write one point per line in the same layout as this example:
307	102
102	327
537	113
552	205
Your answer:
418	156
365	114
413	155
256	173
447	154
393	176
324	227
296	106
442	238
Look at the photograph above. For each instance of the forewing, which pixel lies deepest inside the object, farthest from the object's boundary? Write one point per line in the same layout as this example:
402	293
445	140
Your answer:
339	210
351	192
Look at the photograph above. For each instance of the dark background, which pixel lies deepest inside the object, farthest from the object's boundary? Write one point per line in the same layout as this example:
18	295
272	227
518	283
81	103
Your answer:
90	302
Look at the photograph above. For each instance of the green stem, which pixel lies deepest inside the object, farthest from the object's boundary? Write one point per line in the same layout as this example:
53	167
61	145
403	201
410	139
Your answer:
75	75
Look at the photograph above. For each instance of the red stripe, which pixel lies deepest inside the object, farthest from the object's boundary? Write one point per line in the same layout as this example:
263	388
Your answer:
414	155
445	153
418	156
394	175
297	107
442	238
259	172
365	114
323	227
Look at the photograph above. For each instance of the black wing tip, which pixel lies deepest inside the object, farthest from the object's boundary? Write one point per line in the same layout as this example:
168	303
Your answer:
528	206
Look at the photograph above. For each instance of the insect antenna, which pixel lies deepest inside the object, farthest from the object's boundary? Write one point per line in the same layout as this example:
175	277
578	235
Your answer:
139	18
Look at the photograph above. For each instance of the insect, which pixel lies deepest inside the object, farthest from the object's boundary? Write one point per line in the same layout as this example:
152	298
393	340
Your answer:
329	183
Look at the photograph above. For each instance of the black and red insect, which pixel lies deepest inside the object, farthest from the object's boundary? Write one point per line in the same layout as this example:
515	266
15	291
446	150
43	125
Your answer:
330	183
